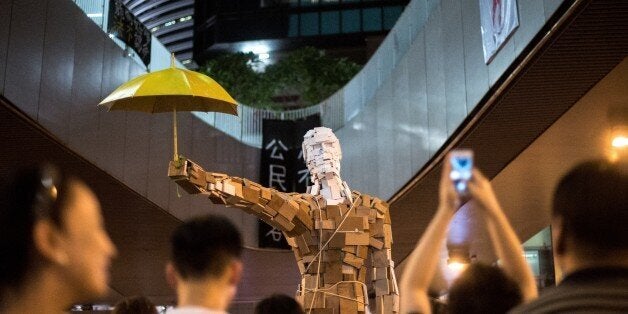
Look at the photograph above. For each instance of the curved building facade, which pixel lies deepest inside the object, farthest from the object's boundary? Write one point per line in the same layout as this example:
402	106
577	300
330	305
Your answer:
171	21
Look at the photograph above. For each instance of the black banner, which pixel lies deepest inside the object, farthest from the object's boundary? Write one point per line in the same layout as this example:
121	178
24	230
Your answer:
124	25
282	166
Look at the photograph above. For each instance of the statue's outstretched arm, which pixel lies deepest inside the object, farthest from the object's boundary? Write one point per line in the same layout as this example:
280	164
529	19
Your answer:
280	210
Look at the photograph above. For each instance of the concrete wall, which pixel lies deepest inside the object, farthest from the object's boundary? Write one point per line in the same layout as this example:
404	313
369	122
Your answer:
56	65
417	97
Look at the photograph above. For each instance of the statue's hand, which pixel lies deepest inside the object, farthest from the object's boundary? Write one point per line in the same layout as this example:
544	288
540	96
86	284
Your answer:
187	174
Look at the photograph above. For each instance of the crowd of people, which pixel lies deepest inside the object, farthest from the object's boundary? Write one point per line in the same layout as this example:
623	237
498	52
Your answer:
55	252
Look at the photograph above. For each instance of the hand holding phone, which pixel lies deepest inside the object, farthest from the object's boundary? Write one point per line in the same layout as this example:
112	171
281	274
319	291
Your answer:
461	161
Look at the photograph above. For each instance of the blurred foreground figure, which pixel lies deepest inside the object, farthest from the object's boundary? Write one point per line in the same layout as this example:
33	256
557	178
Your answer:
205	265
590	241
480	288
278	303
331	229
54	250
135	305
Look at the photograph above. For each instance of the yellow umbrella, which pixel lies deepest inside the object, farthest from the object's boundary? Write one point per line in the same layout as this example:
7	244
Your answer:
168	90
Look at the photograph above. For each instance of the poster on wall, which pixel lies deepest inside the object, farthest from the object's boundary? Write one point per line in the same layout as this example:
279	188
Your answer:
499	19
282	166
125	26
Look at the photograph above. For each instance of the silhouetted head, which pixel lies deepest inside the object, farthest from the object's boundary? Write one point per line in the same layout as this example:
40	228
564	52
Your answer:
135	305
52	223
205	246
483	289
321	152
279	303
590	211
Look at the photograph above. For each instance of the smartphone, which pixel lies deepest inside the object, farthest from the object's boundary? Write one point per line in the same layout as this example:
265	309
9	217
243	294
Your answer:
461	169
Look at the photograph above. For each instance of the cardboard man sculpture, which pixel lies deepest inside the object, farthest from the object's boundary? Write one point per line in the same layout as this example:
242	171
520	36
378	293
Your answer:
331	229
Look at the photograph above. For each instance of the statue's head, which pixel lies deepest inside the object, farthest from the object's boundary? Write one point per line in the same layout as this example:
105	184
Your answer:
321	151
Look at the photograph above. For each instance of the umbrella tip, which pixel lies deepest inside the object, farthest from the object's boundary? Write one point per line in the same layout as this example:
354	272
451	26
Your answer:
172	60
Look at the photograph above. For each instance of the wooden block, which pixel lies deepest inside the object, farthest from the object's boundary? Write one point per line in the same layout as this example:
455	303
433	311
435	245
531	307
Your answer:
357	238
380	273
353	260
349	277
333	273
381	287
270	211
228	188
325	224
347	270
266	193
381	206
292	242
377	244
303	246
237	187
362	274
285	224
319	300
287	210
198	178
362	251
348	306
388	238
366	200
389	302
276	201
310	282
333	212
250	194
178	171
343	209
352	224
331	256
350	249
380	259
362	211
377	228
338	241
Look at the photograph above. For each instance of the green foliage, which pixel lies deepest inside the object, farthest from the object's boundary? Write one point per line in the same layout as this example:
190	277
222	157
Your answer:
306	72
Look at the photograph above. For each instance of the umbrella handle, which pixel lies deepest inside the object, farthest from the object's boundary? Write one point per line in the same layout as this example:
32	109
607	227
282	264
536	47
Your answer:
174	132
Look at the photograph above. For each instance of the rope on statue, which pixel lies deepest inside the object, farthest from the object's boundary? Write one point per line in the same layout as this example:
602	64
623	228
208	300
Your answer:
318	257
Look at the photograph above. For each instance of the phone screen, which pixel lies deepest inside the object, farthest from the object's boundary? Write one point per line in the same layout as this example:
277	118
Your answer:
461	168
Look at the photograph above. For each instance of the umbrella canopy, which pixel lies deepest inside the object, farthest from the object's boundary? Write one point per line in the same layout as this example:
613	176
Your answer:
172	89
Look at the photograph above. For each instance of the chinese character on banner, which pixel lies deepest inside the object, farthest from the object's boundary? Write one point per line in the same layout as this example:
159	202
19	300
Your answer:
282	166
499	19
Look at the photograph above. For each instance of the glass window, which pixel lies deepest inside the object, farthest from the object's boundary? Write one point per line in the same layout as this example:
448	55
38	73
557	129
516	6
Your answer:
350	21
308	3
391	15
309	24
372	19
293	28
330	22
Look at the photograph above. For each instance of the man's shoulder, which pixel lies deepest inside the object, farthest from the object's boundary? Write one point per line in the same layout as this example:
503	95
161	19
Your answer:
605	295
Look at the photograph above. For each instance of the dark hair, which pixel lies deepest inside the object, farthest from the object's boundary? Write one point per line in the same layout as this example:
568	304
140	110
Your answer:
483	289
592	201
135	305
279	303
30	194
204	246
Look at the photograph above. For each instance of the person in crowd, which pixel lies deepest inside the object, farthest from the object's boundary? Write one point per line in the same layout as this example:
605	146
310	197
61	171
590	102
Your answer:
135	305
590	241
279	303
480	289
205	265
54	250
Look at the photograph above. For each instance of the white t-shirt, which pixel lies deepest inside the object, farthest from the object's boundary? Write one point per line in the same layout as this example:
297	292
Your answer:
193	310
